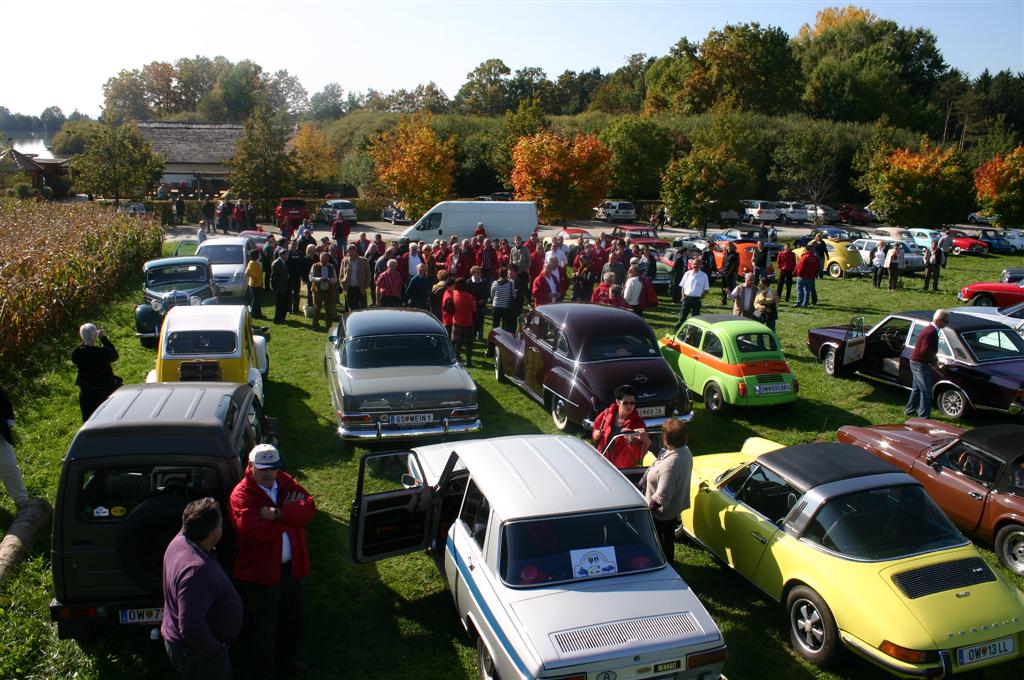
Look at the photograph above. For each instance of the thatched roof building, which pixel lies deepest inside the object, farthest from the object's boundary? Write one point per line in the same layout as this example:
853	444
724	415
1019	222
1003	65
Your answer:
194	152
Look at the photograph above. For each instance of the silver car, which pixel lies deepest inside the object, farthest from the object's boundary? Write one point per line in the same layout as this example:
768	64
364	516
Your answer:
550	555
611	211
393	374
228	257
337	209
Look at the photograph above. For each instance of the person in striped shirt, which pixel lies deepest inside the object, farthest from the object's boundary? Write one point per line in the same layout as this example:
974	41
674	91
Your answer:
389	286
503	294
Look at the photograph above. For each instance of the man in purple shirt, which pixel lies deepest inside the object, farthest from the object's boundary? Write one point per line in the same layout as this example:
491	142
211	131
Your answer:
202	609
925	350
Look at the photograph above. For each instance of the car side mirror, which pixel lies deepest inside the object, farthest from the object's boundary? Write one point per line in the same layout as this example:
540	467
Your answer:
410	482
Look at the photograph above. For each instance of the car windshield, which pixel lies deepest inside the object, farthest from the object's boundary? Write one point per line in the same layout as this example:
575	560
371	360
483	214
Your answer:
1016	311
882	524
178	274
343	205
201	342
382	351
222	254
625	346
748	343
553	550
293	203
993	344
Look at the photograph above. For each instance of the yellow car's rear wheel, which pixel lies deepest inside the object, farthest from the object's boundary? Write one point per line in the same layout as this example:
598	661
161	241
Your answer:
812	628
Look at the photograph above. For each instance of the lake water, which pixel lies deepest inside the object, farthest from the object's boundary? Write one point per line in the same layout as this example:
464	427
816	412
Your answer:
36	145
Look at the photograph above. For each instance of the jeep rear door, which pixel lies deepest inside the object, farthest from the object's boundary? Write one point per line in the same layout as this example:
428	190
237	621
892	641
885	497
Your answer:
394	511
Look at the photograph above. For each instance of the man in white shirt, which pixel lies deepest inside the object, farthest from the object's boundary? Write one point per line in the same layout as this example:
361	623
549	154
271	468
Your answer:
695	286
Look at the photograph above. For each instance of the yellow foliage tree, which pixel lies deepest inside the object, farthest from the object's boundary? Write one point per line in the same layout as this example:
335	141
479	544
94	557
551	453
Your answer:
833	17
564	175
412	164
314	155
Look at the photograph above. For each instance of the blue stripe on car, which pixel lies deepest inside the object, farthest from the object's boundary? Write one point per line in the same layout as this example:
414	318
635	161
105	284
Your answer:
486	611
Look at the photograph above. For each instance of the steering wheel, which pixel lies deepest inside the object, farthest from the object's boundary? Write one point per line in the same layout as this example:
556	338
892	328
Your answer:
970	465
892	339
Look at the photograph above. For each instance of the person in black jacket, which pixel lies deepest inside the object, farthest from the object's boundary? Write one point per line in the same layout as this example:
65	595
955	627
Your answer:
297	268
761	261
96	380
279	283
680	262
729	270
10	473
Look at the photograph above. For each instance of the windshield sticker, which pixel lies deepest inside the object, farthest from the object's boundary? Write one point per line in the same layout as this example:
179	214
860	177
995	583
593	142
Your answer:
118	511
590	562
101	512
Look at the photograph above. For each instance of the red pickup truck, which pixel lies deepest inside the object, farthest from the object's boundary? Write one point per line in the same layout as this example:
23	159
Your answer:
290	211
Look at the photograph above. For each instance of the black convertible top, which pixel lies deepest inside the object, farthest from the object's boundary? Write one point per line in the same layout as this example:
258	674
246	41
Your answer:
1004	442
807	466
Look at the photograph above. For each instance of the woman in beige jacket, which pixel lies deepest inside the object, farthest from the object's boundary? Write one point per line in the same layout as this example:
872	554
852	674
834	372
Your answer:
668	484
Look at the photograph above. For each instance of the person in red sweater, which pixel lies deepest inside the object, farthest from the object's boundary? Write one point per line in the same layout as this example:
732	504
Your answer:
806	273
601	293
270	510
462	307
545	286
926	350
785	264
621	417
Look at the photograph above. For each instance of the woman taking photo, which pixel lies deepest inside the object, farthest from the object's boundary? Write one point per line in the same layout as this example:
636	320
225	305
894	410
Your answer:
766	304
622	418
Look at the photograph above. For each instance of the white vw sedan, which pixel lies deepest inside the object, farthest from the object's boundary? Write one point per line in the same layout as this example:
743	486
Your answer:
550	555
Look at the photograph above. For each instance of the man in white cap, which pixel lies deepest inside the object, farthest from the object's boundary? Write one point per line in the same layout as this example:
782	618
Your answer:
269	510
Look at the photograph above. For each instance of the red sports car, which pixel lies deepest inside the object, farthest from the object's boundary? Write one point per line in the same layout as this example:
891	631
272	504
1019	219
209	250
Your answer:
965	243
976	476
992	294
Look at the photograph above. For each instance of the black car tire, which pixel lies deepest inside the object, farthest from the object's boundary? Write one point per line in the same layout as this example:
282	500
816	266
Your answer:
952	402
812	628
828	362
714	399
556	406
983	300
484	662
143	538
149	343
1010	548
499	369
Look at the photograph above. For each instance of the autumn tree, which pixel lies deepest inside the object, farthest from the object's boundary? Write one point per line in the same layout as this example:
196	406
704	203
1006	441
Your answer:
1000	187
262	166
832	17
565	175
641	148
412	164
698	186
528	119
925	188
116	162
314	156
124	97
807	161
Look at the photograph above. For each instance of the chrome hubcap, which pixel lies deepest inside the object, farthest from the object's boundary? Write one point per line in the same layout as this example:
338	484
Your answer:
559	412
807	624
1014	551
952	402
830	362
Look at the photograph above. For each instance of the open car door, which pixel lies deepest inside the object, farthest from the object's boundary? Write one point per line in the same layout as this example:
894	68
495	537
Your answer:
854	342
186	247
393	510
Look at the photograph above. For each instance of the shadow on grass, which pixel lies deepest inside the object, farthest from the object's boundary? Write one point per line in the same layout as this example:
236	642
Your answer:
307	441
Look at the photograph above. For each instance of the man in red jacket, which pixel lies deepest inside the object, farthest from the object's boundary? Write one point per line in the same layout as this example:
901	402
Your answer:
269	510
545	286
806	272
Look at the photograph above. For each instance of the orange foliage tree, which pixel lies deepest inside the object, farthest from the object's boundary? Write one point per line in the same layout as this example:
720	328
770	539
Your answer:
832	17
566	176
1000	187
314	155
412	164
924	188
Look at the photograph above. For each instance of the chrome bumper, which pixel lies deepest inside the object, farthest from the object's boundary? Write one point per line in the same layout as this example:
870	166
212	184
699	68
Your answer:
385	431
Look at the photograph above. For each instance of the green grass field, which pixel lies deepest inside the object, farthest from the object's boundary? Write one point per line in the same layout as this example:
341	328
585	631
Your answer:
395	619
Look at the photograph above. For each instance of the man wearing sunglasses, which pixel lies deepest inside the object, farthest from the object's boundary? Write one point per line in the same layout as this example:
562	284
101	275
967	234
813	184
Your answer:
621	418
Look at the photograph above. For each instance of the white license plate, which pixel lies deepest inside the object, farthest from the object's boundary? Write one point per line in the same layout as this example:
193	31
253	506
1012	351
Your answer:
152	615
1006	646
651	411
412	419
773	389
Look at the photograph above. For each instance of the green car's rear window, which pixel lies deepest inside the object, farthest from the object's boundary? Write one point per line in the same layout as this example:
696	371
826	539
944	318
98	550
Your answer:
749	343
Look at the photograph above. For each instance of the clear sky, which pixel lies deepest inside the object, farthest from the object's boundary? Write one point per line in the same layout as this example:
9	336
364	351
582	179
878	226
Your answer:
61	51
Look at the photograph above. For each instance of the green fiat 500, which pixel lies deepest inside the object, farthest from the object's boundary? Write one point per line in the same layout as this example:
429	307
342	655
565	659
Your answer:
730	361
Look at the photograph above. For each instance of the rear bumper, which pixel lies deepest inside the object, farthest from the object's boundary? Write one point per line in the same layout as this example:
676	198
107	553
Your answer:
82	620
383	431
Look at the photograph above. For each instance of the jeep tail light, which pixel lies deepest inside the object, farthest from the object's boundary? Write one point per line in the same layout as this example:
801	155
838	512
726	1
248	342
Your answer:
68	613
707	658
796	386
351	418
743	389
908	655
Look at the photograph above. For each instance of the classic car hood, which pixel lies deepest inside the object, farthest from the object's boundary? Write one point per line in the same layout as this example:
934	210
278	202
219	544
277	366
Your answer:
654	381
995	287
829	332
546	616
957	614
430	387
167	288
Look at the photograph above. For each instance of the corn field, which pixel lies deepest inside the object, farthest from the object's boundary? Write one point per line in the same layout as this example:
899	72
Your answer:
57	261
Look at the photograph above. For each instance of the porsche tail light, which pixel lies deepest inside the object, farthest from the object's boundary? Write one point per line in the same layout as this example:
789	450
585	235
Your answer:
574	676
743	389
908	655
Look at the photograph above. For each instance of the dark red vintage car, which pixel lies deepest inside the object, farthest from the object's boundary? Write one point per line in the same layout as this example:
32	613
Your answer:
976	476
571	356
640	235
980	363
852	214
290	211
992	294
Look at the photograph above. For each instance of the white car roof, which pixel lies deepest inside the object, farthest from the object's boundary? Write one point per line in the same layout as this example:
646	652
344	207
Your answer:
225	241
537	475
205	318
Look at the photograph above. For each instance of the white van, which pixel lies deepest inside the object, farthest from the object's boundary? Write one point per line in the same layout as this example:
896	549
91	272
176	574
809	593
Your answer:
501	219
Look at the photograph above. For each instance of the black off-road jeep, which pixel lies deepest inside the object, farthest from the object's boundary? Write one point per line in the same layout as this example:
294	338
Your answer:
143	455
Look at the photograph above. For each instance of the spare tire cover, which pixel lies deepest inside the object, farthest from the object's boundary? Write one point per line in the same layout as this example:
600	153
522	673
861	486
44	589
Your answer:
144	536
